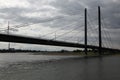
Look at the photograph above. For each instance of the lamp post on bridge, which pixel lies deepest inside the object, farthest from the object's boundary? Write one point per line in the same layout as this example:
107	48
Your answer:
8	34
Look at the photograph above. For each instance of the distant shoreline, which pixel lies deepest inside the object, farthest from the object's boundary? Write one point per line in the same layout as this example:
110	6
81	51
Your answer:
61	52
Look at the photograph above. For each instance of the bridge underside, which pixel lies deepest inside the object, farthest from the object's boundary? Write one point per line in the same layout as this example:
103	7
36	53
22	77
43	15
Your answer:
38	41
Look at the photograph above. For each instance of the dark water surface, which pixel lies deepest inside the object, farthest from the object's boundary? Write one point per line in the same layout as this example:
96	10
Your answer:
99	68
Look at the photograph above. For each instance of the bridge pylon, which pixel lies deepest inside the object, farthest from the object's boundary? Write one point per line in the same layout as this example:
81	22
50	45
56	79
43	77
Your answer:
85	31
99	29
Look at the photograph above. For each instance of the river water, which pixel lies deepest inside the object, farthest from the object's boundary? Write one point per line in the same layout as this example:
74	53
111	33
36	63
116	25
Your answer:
19	66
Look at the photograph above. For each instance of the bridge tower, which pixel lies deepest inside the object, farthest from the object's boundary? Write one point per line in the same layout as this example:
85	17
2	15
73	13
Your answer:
99	29
85	30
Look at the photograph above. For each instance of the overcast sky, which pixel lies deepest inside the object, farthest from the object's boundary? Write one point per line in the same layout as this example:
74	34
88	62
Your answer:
40	18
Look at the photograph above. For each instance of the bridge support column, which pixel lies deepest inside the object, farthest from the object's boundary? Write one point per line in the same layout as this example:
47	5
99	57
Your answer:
86	31
99	25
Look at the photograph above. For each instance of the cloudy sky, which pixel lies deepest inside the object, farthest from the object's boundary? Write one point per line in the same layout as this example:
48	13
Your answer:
60	20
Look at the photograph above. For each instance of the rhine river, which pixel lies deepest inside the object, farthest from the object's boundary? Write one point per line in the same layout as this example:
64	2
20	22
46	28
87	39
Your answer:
25	66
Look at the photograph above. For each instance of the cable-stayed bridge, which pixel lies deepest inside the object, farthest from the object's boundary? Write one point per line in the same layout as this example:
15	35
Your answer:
40	41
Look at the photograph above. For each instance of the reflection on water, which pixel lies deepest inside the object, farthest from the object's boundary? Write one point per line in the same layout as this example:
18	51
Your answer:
102	68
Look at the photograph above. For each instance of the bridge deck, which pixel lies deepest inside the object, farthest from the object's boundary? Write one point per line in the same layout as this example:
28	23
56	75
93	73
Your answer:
39	41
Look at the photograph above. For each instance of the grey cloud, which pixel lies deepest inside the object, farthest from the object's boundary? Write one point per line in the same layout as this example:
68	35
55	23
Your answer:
12	13
15	15
68	7
110	14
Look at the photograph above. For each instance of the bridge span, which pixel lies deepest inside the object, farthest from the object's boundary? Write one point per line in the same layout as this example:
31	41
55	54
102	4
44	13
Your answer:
40	41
